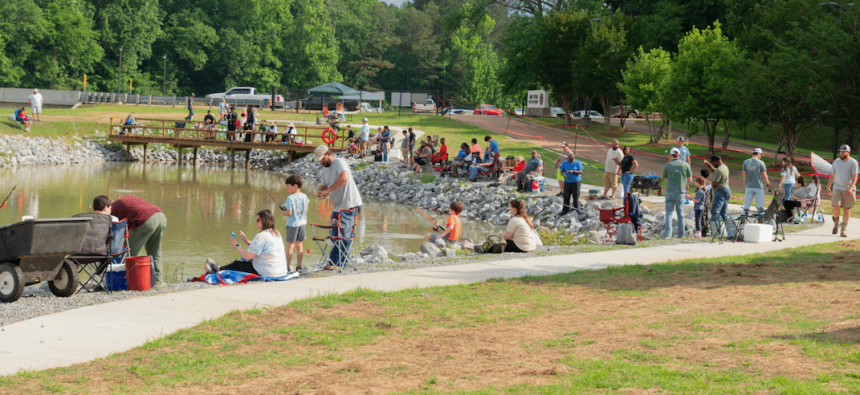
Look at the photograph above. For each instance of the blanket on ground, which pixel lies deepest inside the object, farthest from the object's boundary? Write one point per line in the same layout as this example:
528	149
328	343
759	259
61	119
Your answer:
228	277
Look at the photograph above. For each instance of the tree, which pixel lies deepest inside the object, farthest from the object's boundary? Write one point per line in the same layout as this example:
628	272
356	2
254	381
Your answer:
364	35
471	64
598	68
562	35
703	75
645	86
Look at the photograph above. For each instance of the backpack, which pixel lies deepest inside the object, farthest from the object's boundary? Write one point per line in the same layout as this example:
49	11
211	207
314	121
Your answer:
625	234
180	125
494	245
782	216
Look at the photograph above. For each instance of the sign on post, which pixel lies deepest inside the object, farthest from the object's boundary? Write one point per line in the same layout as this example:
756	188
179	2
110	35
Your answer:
538	99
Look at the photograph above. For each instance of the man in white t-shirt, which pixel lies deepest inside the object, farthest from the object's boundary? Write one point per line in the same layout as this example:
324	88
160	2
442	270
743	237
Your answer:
612	168
35	100
337	183
842	186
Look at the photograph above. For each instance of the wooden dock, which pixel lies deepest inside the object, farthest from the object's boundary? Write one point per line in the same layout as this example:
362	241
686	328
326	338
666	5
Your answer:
163	131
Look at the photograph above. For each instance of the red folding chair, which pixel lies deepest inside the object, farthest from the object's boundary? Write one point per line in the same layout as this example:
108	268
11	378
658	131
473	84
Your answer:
612	217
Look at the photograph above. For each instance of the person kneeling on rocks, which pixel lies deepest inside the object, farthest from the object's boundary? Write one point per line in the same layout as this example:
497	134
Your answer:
453	227
265	255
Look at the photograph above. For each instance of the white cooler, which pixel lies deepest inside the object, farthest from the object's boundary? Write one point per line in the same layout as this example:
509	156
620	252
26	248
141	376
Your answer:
758	233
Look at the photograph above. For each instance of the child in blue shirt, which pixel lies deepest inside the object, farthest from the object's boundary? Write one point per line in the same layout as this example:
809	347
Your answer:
699	205
296	211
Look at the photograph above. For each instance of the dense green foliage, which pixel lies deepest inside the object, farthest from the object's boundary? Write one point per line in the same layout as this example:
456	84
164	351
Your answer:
784	65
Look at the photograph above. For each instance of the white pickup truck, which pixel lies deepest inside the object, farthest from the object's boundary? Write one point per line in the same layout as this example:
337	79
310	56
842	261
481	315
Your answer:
428	106
246	95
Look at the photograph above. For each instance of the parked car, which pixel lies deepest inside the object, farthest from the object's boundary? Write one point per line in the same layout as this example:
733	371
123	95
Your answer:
246	93
458	110
624	112
487	109
519	111
556	112
428	106
315	103
591	114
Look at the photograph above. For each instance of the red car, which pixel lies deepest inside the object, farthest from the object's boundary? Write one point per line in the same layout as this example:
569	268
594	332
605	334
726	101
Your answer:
487	109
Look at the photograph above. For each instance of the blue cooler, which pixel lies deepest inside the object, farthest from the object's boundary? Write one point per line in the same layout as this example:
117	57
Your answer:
115	278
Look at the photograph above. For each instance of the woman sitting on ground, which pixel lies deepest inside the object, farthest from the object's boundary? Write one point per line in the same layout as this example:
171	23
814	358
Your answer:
265	255
520	233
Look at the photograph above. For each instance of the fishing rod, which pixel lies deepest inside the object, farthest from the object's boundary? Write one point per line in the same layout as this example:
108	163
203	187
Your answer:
267	191
437	227
7	196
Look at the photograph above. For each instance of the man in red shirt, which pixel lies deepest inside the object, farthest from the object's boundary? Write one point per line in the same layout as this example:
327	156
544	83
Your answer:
146	223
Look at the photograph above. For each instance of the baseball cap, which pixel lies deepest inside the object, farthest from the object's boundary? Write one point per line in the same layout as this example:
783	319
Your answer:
564	144
681	138
674	151
715	158
364	120
845	148
319	152
757	151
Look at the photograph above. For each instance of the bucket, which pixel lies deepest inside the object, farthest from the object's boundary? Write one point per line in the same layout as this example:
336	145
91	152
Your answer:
137	273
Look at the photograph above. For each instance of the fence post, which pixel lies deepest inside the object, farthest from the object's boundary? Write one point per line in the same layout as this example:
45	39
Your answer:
125	98
174	101
150	100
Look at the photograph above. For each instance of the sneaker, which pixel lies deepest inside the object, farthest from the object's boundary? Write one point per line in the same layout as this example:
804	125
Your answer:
211	267
38	120
27	130
559	194
835	225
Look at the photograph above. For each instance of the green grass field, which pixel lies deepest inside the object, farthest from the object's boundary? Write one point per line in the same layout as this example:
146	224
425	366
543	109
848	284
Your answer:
777	323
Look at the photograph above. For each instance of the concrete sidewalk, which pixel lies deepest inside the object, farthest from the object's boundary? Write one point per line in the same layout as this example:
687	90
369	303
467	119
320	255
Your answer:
88	333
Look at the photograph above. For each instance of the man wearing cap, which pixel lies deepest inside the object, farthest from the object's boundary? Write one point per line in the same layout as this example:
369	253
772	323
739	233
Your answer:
559	175
363	138
532	169
755	176
685	152
612	169
678	177
337	183
35	100
842	186
722	192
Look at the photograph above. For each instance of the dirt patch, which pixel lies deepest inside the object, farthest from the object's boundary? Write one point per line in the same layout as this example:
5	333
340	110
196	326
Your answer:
712	319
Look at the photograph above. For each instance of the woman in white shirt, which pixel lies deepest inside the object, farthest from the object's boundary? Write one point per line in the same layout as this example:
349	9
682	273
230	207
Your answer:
520	234
265	255
789	174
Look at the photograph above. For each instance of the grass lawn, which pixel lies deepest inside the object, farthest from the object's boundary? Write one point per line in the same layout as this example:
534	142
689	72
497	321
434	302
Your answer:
783	322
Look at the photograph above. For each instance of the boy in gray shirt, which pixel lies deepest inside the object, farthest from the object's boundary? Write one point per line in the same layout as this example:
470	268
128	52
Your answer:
844	176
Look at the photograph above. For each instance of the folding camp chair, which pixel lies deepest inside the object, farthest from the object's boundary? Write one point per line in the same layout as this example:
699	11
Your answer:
490	171
770	216
810	208
612	217
338	247
94	263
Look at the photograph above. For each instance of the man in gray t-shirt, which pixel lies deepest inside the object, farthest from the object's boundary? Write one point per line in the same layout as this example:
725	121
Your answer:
843	181
337	183
755	176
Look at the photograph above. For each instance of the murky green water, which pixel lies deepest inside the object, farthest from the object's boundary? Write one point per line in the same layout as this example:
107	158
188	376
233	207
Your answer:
203	205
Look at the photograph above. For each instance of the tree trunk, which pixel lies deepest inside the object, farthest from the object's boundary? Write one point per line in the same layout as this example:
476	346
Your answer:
607	108
727	128
711	131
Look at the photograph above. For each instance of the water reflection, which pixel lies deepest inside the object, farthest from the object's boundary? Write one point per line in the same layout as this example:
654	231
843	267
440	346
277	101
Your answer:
203	205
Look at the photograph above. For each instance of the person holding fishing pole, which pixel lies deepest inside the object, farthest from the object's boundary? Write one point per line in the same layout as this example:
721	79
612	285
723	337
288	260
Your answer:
453	227
337	183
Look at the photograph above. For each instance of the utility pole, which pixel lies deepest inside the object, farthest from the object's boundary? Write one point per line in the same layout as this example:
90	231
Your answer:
119	78
164	87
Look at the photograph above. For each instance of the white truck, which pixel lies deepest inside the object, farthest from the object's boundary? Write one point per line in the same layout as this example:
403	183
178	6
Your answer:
428	106
243	95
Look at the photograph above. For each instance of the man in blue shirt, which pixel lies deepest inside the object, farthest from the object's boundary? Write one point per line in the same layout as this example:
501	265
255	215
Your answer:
492	149
363	138
572	171
384	139
685	152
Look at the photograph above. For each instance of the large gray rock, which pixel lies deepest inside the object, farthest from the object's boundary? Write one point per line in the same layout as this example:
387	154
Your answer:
378	254
431	250
440	242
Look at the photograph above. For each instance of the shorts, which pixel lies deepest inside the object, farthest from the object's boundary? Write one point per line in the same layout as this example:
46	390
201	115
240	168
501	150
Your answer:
37	109
420	161
559	175
844	199
610	180
434	236
295	234
362	145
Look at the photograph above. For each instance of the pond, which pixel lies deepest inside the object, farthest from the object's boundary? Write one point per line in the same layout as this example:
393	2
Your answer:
203	206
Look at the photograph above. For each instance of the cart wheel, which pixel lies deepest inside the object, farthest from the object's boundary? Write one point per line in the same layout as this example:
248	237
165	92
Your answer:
11	282
66	282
